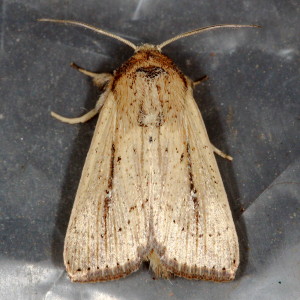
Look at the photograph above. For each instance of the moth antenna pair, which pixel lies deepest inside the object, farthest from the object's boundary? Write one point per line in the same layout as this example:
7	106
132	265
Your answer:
160	46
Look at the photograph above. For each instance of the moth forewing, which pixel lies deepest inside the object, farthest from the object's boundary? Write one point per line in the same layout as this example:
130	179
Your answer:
198	240
150	187
105	231
220	256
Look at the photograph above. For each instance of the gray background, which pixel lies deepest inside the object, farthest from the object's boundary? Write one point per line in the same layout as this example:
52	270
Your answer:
250	105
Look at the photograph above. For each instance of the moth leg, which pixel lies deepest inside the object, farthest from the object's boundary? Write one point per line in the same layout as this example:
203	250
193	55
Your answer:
221	153
99	79
202	79
81	119
86	116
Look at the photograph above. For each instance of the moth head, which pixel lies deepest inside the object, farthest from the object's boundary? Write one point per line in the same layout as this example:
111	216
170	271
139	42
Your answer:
147	46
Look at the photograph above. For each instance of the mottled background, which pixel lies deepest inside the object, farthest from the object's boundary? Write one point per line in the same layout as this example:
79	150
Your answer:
250	104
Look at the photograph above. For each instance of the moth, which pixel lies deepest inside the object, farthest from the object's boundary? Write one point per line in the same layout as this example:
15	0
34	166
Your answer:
150	189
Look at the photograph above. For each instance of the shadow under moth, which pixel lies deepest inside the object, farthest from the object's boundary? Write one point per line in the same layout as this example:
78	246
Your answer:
150	189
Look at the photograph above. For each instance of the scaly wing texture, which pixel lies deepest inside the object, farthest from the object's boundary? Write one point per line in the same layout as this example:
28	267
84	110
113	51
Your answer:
108	229
194	232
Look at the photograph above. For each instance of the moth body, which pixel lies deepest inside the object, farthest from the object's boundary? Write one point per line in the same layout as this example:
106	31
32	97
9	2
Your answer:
150	187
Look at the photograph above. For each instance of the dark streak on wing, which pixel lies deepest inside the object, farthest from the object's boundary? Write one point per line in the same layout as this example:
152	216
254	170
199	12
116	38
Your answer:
160	119
193	191
107	199
141	115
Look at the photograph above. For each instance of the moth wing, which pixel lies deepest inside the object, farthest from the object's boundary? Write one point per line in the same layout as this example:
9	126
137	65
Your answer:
194	232
107	231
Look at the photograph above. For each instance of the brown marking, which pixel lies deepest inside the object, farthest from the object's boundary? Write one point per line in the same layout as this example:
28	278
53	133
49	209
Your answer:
181	157
125	67
107	199
152	71
141	116
160	119
193	191
143	57
132	208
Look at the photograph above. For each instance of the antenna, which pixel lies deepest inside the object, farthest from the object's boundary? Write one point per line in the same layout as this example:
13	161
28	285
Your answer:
200	30
98	30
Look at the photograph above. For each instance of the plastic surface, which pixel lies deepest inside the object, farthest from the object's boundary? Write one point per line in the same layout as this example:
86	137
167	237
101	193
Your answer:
250	105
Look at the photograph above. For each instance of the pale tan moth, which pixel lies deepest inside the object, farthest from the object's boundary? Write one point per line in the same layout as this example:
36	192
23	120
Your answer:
150	189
